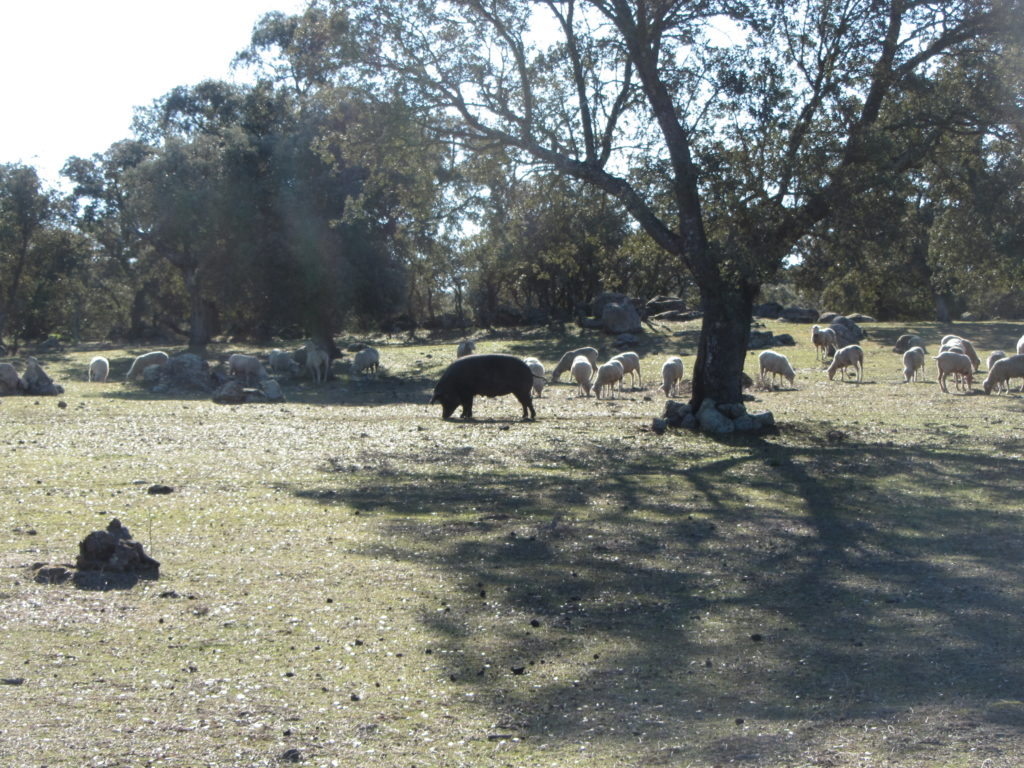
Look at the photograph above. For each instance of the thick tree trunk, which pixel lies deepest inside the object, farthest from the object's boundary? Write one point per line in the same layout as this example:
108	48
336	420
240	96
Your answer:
722	350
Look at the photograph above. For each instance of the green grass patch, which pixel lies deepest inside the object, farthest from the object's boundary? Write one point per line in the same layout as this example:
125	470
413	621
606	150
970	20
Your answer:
350	577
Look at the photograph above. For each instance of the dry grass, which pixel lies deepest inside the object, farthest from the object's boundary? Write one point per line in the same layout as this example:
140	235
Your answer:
349	576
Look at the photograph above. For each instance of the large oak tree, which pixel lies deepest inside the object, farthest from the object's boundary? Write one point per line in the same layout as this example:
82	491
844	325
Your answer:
727	128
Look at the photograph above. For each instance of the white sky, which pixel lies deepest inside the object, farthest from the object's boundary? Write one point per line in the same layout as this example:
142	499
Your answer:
71	71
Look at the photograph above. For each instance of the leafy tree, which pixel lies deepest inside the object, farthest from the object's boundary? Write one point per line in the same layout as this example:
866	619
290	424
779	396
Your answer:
947	237
38	253
727	147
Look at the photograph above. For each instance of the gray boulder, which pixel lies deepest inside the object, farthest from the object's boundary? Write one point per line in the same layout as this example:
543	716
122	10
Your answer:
186	372
36	382
847	331
771	310
620	318
712	420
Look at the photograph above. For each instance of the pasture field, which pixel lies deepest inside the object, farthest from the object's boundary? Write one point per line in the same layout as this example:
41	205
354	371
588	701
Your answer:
349	580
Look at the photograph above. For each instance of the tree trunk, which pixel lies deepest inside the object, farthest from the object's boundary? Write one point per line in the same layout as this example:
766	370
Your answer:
722	350
199	320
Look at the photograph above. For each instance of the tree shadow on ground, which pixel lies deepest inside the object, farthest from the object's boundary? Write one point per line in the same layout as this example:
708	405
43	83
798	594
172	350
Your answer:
812	584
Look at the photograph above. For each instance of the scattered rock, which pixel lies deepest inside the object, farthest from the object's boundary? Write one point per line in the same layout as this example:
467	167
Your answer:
36	382
51	574
621	317
291	756
771	310
182	373
114	550
800	315
157	489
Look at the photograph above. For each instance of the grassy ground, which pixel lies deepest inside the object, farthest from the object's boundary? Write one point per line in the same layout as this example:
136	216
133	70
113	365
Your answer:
349	580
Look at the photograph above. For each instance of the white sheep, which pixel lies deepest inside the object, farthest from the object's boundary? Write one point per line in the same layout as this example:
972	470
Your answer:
956	363
318	363
908	340
582	371
537	368
630	364
671	374
366	358
246	366
996	355
913	361
825	342
959	344
567	360
777	364
10	381
608	375
465	348
282	362
851	355
1020	346
99	368
1002	371
142	362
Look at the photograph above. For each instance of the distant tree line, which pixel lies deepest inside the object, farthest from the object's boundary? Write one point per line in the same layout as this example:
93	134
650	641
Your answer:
307	202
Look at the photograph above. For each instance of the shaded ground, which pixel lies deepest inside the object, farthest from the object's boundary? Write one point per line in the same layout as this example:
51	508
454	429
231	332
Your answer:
370	585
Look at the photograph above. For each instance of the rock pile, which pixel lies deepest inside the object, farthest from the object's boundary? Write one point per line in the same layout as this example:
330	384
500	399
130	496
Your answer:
715	418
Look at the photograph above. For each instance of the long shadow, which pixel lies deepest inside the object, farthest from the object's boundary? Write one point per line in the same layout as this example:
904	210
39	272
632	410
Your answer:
782	584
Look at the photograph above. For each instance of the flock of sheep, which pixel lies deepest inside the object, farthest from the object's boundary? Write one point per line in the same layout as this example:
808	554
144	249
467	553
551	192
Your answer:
582	365
248	367
957	358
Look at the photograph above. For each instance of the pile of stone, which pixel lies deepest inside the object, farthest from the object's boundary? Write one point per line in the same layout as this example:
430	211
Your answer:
714	418
103	557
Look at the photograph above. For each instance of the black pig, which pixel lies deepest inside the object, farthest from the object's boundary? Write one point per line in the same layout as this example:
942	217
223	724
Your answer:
488	375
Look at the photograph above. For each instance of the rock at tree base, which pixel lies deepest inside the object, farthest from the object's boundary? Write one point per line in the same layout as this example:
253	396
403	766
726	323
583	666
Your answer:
717	419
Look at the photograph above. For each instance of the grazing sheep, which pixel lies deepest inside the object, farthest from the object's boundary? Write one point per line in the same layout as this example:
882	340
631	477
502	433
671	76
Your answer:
99	368
913	361
630	364
963	346
582	371
1002	371
318	363
366	358
956	363
282	362
671	375
776	364
608	375
142	362
487	375
852	355
465	348
246	366
566	363
908	340
997	355
1020	346
537	368
10	381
